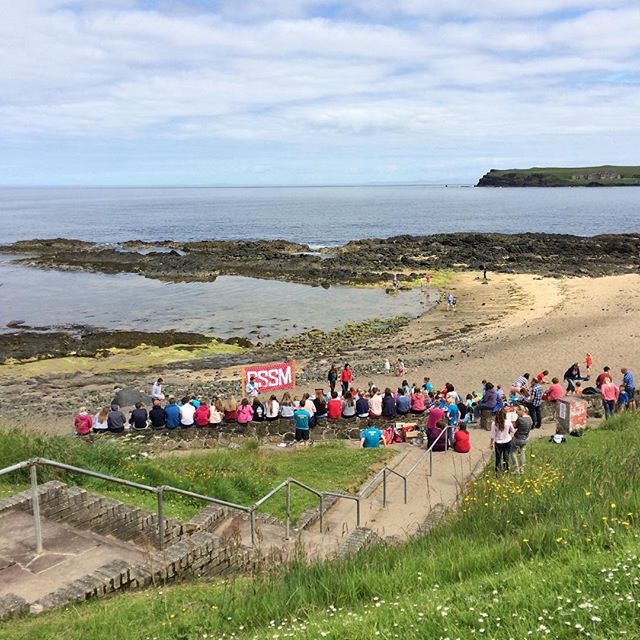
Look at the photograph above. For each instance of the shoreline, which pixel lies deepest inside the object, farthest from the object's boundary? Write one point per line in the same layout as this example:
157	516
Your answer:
512	324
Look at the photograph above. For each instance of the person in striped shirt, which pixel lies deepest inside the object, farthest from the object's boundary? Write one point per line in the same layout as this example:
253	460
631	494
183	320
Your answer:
535	404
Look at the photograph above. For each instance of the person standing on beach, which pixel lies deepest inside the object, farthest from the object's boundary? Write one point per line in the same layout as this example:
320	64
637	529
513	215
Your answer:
346	378
610	394
630	386
387	367
486	406
535	404
251	388
450	302
606	373
523	427
588	361
501	436
332	378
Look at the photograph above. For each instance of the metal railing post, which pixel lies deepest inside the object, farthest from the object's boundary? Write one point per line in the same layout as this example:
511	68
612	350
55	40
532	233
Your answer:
35	502
252	518
161	522
405	489
384	487
287	511
321	514
358	512
431	462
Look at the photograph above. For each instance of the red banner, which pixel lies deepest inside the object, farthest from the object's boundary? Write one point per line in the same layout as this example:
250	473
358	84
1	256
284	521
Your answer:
270	377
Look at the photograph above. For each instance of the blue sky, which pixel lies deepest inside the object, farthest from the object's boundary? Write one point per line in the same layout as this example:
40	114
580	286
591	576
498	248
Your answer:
256	92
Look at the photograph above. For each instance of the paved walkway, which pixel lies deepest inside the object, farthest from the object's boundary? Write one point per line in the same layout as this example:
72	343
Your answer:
451	473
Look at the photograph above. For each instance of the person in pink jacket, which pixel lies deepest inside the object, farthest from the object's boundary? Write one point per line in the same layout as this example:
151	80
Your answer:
83	422
610	394
245	412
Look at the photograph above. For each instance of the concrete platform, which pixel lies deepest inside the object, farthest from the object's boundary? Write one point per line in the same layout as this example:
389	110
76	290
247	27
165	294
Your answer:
68	555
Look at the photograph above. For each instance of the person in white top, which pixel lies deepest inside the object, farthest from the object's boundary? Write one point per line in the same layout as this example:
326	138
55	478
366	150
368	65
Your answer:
100	420
307	404
251	389
501	435
187	411
375	403
216	411
156	390
387	366
273	409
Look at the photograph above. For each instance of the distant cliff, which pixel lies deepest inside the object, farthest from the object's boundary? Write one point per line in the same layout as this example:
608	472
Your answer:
605	176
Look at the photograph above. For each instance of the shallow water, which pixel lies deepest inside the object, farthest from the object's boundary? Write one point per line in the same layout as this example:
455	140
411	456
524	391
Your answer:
230	306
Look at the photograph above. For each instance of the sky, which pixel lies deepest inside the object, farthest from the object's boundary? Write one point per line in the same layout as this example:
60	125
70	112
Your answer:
296	92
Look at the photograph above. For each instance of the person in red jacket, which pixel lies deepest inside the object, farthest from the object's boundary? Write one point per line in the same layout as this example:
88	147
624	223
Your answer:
83	422
202	415
461	437
346	378
334	406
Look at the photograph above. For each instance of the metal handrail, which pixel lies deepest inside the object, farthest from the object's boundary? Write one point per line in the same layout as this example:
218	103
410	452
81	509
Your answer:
33	463
386	470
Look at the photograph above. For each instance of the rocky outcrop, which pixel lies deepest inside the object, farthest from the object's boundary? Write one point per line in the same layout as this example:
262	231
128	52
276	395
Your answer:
363	261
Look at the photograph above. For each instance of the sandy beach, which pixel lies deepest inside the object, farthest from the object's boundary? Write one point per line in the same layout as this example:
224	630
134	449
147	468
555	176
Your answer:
500	329
506	327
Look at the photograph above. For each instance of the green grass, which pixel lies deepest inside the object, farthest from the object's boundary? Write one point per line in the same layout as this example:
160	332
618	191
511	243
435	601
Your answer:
554	555
241	476
567	176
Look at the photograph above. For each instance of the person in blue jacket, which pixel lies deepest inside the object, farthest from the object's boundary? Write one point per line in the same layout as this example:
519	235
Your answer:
172	414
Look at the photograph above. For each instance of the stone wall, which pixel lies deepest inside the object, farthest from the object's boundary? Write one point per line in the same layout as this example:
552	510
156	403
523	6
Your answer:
191	549
282	431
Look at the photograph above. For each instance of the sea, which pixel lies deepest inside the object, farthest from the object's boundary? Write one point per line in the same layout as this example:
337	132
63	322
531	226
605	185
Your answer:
254	308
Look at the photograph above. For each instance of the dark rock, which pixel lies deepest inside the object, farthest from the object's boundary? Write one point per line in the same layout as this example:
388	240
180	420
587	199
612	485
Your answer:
128	396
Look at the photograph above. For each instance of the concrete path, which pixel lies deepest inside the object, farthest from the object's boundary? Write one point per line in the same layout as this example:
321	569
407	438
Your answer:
451	472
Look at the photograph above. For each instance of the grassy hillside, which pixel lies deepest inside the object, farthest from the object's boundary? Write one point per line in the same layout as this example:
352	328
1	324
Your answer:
555	554
241	476
603	176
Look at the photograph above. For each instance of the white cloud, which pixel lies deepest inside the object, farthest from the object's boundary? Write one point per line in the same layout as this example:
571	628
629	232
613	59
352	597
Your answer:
369	71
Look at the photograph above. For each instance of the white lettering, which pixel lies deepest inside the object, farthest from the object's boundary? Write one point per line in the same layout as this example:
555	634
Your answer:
271	378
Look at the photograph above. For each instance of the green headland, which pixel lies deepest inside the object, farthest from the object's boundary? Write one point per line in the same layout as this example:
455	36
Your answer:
604	176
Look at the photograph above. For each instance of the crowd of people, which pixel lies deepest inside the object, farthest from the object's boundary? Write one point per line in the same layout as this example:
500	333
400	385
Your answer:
442	414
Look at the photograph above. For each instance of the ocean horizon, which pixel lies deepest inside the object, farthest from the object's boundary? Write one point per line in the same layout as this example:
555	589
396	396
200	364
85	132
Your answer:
313	215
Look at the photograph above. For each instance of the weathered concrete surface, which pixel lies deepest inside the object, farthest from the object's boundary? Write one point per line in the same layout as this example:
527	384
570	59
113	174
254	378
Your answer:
69	554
